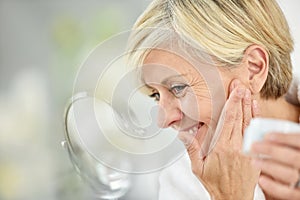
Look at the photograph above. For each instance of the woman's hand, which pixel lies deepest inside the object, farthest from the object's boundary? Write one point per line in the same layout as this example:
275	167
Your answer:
281	171
226	172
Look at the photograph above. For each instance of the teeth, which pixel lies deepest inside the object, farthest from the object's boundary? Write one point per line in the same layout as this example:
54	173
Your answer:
193	131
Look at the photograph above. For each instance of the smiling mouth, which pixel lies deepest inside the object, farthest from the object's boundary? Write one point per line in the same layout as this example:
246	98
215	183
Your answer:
193	130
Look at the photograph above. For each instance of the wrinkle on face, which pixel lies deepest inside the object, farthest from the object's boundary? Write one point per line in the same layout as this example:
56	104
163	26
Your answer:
162	69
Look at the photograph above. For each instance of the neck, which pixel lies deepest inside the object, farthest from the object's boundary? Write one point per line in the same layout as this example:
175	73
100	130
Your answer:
279	109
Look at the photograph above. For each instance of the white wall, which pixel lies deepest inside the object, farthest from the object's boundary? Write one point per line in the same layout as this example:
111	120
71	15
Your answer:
291	10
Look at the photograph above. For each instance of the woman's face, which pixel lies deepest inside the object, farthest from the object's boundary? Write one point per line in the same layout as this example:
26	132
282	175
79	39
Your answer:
188	100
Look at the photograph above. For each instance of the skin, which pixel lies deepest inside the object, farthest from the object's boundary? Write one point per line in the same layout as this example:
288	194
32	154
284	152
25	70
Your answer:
179	108
185	101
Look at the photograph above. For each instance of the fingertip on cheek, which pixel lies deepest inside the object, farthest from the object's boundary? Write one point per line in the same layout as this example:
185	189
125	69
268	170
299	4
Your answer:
241	92
234	84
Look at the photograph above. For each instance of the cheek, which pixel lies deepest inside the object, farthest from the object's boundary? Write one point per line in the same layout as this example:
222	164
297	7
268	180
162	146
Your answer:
205	107
197	106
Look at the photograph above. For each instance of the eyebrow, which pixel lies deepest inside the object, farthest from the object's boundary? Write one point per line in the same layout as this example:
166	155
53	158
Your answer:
166	80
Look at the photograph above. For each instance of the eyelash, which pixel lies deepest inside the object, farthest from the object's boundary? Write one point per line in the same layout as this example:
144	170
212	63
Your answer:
155	96
173	89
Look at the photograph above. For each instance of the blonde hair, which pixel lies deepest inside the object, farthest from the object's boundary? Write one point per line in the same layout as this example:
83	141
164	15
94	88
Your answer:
223	29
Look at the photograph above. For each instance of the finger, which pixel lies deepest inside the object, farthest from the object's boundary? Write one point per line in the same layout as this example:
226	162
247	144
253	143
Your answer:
279	153
255	109
247	109
194	151
229	114
234	83
292	140
278	190
277	171
192	146
237	133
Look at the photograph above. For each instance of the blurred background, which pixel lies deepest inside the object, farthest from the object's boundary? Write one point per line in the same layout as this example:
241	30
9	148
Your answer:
42	44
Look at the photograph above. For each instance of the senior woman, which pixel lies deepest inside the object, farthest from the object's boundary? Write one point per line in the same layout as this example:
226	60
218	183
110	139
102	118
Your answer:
183	47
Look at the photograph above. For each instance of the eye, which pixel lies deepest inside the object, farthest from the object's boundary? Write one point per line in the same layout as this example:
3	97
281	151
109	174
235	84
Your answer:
179	90
155	95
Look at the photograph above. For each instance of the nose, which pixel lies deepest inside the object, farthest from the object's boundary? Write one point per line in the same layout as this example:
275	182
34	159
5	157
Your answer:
169	112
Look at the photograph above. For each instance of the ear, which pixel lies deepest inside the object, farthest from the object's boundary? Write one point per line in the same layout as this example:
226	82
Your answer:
256	59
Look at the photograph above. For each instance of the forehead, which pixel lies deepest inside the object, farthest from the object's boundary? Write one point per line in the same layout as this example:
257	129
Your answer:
168	59
160	64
